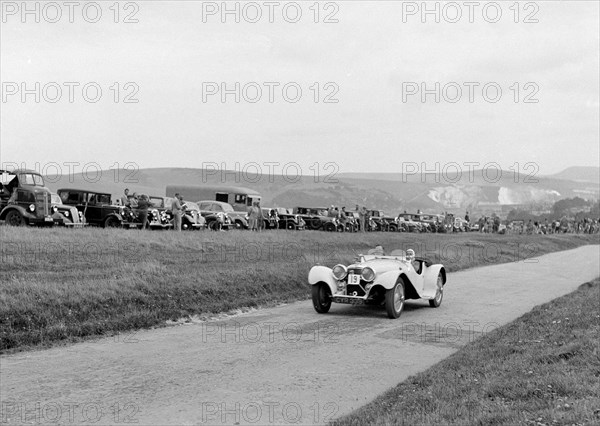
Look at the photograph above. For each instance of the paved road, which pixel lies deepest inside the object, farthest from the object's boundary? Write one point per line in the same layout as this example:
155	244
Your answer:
280	365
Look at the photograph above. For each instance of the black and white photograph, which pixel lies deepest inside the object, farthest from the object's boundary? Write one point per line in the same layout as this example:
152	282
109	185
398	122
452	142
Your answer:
309	212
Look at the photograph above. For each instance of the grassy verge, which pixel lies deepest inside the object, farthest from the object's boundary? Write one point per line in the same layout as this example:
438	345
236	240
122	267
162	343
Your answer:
61	285
541	369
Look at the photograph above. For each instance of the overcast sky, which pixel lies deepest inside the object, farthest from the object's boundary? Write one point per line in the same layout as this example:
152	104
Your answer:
369	56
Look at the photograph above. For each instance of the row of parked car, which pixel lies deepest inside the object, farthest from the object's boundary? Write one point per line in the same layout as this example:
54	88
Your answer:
320	218
25	200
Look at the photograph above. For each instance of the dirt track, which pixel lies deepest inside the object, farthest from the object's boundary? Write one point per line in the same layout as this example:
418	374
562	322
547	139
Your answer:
275	366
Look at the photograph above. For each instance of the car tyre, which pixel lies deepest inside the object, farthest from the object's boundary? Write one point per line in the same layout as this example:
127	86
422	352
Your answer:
291	226
393	228
394	299
321	297
330	227
14	218
439	294
112	222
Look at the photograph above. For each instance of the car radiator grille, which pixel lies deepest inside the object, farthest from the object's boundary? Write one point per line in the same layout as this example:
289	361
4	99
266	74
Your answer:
42	204
350	289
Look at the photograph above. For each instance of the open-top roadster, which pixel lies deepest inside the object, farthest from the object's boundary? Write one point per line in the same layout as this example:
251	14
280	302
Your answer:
378	279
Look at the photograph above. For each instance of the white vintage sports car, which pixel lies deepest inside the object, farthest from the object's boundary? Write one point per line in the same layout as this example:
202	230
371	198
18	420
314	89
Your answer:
378	279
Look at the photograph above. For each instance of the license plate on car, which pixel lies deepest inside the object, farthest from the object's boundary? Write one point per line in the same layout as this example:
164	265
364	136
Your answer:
353	279
48	219
348	300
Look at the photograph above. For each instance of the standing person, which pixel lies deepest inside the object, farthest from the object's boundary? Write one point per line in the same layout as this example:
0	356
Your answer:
362	217
252	216
467	217
143	205
125	198
343	218
260	220
176	209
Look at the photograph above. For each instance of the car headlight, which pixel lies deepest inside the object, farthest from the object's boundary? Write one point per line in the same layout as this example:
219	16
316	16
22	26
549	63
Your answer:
367	274
66	213
32	208
339	272
54	209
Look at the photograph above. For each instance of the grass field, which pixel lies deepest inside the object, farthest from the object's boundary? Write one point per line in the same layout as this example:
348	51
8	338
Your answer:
62	285
541	369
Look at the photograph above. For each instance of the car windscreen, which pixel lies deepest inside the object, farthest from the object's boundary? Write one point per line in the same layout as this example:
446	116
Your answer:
31	179
157	202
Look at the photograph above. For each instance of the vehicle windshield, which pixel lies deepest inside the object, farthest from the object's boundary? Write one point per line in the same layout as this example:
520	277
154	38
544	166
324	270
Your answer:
157	202
55	199
31	179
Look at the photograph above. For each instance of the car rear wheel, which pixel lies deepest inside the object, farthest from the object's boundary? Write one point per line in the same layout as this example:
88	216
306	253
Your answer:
321	296
394	299
330	227
439	294
393	228
291	226
14	218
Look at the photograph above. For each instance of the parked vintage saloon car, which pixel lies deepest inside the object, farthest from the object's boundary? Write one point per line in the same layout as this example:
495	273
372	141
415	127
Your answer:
24	199
216	214
239	198
284	219
316	218
383	222
157	213
64	215
191	218
407	223
97	208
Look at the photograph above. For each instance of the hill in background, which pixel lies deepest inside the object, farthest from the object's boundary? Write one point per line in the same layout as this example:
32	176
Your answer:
478	192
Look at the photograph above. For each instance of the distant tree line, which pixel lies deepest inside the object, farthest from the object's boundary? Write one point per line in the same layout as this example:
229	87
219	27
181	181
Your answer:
576	208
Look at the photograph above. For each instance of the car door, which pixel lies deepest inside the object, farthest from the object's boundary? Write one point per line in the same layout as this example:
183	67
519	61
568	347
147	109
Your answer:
93	212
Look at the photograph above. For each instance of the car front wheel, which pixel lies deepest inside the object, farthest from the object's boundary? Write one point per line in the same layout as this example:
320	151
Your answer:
394	299
112	222
14	218
439	294
321	296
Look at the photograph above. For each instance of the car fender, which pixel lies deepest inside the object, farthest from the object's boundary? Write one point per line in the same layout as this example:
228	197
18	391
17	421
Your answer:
318	274
20	209
388	280
117	215
430	277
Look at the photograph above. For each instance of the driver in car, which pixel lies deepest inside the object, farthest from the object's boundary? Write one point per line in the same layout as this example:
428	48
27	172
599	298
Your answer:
416	264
